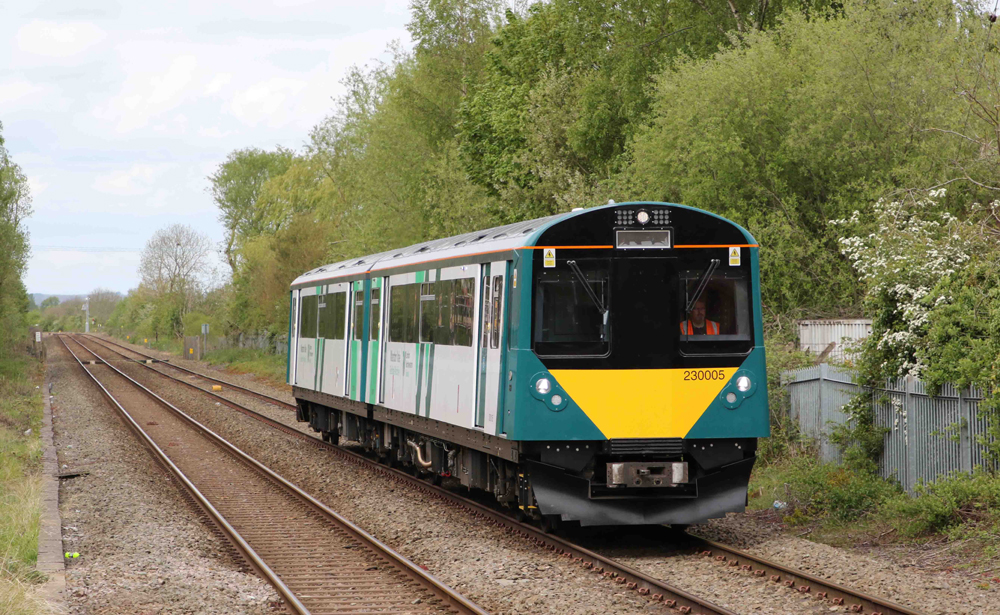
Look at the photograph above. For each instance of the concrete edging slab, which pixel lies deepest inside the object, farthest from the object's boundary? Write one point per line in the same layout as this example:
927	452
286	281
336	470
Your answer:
51	560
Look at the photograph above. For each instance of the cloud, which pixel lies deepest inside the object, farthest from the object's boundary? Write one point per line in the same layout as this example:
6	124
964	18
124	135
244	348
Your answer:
136	180
263	100
146	95
58	39
36	185
272	29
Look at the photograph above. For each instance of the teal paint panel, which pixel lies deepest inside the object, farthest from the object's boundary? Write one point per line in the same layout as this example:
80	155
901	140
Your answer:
748	420
420	379
530	418
430	378
373	353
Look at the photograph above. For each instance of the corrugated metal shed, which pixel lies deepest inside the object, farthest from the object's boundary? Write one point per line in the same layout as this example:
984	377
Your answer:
816	335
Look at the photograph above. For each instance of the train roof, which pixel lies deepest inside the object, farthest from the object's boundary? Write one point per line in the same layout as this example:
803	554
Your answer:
497	239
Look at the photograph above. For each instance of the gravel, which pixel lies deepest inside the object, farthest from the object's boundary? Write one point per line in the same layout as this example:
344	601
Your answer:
930	591
142	548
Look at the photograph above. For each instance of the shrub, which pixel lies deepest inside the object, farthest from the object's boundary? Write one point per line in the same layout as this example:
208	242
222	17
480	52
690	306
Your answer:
947	503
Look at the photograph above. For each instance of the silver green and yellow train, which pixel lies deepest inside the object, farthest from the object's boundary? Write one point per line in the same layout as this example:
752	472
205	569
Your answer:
604	366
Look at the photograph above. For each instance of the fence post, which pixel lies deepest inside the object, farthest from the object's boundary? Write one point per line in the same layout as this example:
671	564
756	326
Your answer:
964	431
909	424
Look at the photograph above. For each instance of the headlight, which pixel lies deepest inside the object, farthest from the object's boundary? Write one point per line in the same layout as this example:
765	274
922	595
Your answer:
743	384
642	217
556	400
543	386
731	398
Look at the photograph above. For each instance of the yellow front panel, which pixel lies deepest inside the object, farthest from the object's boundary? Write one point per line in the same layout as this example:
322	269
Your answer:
643	403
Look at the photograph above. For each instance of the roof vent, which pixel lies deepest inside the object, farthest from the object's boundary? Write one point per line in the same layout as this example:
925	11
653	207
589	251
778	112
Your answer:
527	230
499	235
397	255
478	238
460	243
420	249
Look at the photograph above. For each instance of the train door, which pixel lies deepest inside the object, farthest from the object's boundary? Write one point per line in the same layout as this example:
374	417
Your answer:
374	372
333	332
293	335
356	300
491	343
306	358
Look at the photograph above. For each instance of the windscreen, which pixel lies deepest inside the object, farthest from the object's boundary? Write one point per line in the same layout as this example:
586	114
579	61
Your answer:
568	319
720	312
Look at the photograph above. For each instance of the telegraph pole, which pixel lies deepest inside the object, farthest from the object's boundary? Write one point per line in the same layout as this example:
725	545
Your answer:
86	307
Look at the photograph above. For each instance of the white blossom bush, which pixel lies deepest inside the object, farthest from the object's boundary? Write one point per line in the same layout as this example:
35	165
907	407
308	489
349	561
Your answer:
932	288
912	245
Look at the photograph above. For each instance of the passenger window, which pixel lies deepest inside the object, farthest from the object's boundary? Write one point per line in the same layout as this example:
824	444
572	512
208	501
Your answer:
428	312
403	313
487	309
376	316
497	311
309	316
359	314
332	316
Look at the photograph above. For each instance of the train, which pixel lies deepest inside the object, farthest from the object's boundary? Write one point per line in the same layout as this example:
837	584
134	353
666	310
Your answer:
603	366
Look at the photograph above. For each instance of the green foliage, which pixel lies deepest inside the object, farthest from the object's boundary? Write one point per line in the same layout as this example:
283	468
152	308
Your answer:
821	490
946	504
20	486
860	440
236	187
245	360
795	126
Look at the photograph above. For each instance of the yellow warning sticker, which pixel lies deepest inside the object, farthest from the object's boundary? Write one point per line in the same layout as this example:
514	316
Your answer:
550	257
734	257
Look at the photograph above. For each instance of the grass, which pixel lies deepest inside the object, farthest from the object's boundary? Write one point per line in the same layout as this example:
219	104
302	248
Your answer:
269	367
20	483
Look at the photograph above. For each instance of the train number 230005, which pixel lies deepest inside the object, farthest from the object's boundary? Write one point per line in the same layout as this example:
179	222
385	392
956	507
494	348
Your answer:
704	374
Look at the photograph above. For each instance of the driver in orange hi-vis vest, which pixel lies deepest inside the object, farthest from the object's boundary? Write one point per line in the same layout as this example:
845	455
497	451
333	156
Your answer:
696	324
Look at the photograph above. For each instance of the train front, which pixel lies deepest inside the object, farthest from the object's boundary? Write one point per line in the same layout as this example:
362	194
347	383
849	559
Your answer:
638	383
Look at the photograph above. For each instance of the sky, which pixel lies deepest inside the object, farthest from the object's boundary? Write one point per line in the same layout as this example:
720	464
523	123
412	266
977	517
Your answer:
118	111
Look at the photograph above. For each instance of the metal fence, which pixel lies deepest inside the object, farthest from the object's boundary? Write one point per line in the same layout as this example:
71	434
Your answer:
272	344
928	436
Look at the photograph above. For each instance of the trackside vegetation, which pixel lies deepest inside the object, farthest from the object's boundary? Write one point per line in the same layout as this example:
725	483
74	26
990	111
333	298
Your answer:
857	140
20	403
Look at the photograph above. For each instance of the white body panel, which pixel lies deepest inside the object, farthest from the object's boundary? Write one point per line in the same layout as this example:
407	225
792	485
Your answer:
335	350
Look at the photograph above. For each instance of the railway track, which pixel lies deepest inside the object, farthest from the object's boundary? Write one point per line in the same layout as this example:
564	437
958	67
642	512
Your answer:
754	567
148	357
318	561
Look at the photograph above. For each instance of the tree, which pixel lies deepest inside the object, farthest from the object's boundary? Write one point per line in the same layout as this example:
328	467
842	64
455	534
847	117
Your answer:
49	302
801	124
175	264
15	207
236	187
102	303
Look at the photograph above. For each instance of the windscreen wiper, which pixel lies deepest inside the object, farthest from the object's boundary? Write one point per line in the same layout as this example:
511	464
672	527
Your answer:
702	283
590	291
